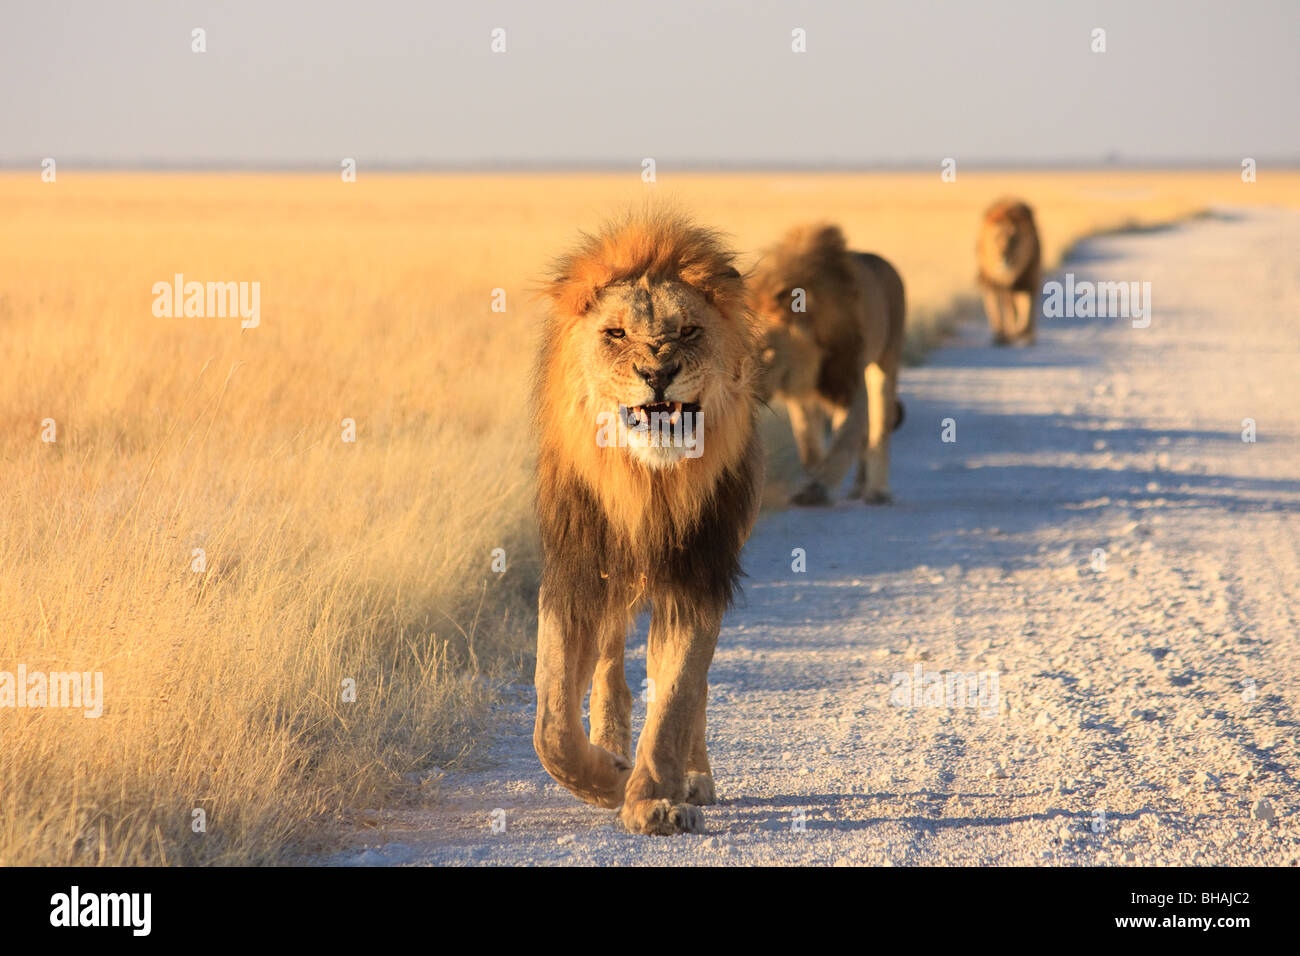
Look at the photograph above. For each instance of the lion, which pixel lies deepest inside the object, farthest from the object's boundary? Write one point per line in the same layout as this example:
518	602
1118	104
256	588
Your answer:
833	334
649	479
1010	271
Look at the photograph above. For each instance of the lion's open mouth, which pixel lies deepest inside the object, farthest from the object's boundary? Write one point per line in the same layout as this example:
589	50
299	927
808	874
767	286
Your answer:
637	416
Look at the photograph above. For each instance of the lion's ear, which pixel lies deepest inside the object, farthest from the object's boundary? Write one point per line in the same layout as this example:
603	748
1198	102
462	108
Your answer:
719	287
829	240
570	294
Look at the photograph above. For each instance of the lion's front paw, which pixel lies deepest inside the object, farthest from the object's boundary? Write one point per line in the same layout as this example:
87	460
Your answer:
662	817
699	789
878	497
812	495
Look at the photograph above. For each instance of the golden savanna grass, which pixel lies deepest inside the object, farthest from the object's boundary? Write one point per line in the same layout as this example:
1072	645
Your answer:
328	560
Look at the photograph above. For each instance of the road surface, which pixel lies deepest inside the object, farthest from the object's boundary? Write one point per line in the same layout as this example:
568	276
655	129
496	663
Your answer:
1098	536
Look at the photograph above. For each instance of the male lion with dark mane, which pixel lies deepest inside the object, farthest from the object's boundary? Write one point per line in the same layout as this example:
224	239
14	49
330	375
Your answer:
649	477
1010	270
833	335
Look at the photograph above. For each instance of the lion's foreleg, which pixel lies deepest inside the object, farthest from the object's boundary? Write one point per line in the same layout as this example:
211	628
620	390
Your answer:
699	774
808	422
682	640
566	659
993	309
1026	304
845	447
1020	316
1007	298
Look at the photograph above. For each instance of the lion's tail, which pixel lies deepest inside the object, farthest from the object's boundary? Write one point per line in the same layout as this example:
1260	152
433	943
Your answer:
898	414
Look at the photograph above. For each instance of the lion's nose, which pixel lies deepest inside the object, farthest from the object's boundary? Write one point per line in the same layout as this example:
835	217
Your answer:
658	378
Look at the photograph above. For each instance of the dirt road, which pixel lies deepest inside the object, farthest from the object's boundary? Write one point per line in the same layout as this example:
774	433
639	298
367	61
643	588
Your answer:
1098	536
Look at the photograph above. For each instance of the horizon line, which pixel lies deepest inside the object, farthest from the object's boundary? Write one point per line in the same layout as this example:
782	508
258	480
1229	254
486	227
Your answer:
694	166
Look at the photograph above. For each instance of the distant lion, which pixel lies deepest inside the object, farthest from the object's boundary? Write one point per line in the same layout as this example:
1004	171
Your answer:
649	479
833	334
1010	270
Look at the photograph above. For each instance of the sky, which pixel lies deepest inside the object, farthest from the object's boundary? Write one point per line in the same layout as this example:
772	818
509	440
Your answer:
408	83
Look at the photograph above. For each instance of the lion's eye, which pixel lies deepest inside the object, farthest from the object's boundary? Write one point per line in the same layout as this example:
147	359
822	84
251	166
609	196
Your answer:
615	333
690	331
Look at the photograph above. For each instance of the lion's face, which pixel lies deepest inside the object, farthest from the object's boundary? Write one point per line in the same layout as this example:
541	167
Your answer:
789	360
1008	241
644	392
659	358
1003	236
789	305
782	299
804	296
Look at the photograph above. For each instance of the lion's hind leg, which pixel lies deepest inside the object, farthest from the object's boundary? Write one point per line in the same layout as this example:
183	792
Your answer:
881	391
566	660
611	700
700	790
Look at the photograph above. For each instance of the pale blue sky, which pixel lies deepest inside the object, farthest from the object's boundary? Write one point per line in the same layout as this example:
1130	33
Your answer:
607	83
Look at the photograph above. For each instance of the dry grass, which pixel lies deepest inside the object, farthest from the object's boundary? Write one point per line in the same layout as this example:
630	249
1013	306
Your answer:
327	560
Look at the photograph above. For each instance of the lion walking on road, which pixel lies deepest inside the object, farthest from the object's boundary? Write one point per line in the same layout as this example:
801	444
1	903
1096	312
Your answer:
1010	271
649	478
833	335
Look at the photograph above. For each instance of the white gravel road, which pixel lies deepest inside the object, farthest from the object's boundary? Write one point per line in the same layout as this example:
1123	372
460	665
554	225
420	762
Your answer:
1146	708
